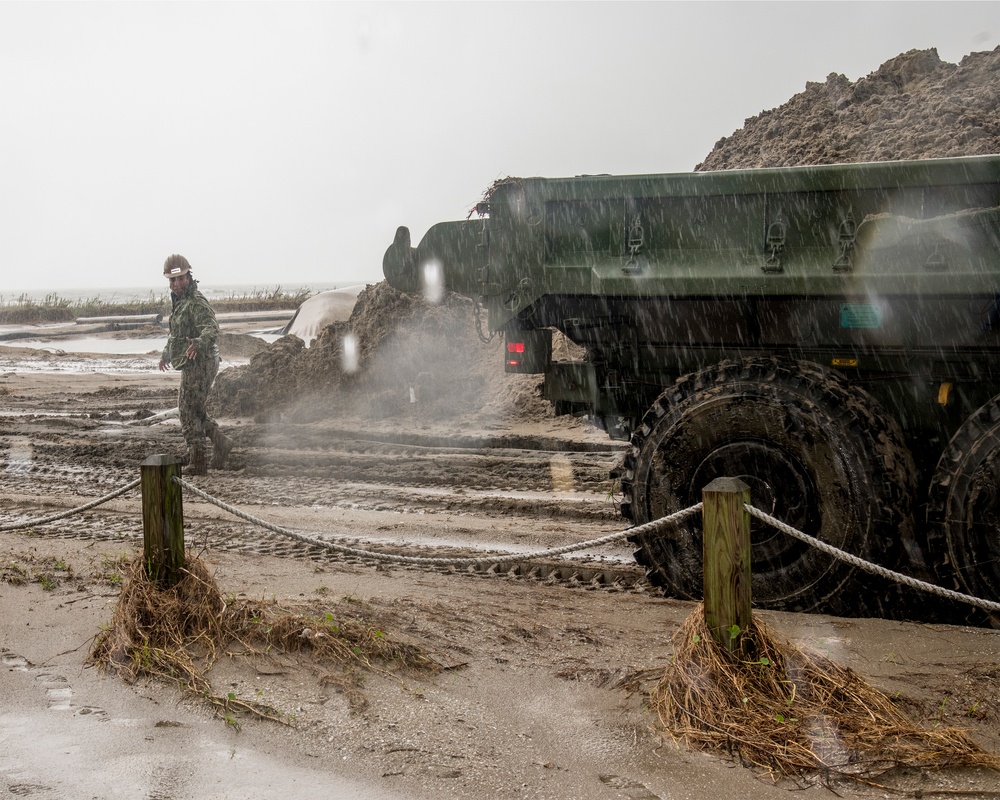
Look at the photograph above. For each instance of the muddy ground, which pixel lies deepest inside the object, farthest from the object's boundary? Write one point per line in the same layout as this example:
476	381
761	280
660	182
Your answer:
548	677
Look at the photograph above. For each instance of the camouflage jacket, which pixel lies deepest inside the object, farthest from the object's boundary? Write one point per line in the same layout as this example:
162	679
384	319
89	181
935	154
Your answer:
191	318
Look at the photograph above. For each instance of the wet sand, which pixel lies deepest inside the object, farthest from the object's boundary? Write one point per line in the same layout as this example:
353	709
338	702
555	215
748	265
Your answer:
547	697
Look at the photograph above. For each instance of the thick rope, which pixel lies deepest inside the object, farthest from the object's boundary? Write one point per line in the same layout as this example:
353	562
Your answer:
655	525
433	560
988	605
16	526
631	532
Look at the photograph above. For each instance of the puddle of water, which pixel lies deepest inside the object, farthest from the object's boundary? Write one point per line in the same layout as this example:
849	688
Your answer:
63	363
558	493
608	553
35	412
92	354
46	753
94	344
109	345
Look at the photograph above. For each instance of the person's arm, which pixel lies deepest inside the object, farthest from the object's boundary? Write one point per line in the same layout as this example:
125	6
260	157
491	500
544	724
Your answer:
207	327
165	355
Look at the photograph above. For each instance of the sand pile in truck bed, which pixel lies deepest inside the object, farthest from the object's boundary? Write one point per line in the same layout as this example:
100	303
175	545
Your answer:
914	106
421	361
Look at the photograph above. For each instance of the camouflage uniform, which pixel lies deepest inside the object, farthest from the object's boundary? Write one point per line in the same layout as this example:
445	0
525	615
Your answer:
193	318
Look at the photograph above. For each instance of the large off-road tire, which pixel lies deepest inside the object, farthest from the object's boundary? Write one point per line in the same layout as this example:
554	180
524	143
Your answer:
963	510
816	453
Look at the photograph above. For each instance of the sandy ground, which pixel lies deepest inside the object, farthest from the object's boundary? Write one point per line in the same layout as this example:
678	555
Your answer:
545	695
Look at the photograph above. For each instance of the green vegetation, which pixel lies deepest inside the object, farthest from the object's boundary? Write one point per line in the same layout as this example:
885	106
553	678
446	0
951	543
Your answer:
262	300
26	311
113	568
47	572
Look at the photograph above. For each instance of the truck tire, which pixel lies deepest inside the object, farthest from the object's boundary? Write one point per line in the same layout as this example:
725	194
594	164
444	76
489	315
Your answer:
963	509
817	454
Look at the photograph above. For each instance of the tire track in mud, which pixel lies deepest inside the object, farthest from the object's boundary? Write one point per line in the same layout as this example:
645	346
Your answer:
290	492
504	462
557	490
245	538
508	463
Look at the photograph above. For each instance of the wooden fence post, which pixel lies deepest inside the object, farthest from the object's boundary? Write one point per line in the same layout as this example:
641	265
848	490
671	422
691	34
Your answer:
726	559
162	519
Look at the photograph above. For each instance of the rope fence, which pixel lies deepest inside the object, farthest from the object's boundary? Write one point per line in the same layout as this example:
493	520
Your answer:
898	577
15	526
435	561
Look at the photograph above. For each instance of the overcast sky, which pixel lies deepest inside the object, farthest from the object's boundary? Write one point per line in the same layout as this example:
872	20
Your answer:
283	143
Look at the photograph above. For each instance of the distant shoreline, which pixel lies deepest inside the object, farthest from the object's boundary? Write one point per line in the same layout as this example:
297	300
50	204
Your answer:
129	293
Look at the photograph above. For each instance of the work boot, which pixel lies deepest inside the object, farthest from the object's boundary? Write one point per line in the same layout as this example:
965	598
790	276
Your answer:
221	446
197	464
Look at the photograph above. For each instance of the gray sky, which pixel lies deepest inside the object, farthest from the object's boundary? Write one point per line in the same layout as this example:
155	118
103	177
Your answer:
283	143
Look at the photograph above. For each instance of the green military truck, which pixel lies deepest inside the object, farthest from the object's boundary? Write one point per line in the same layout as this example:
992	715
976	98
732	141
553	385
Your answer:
828	334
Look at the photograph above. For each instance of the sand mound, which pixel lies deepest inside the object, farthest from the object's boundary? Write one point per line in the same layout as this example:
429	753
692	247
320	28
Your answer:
397	356
414	360
239	345
913	106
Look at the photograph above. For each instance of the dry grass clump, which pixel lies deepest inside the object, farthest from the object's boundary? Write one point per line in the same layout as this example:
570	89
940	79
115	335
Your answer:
791	712
164	633
176	634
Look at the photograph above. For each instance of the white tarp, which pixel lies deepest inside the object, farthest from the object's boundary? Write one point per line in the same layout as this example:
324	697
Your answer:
321	310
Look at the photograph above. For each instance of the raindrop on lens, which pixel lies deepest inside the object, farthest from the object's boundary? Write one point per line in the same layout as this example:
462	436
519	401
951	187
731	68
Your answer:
350	358
433	282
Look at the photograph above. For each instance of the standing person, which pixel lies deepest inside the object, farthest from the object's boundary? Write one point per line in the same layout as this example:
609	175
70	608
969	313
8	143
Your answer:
191	349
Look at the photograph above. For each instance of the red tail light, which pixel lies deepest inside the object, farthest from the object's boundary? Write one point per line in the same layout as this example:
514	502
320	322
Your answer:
514	350
528	351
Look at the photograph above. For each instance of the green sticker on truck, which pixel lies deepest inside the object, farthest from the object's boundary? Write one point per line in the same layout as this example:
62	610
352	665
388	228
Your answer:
860	315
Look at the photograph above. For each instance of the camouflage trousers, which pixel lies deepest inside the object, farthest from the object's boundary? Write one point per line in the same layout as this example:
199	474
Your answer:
196	380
